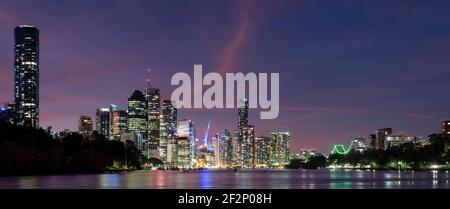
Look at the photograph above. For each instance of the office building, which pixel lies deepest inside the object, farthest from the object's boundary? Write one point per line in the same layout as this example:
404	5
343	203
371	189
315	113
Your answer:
262	150
137	119
26	75
85	126
280	150
117	122
381	135
102	121
168	132
153	120
359	144
187	149
225	150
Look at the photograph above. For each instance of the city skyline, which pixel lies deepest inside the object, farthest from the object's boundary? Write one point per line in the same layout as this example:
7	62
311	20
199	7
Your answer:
331	104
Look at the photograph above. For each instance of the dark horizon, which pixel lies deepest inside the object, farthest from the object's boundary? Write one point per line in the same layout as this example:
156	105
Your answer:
346	68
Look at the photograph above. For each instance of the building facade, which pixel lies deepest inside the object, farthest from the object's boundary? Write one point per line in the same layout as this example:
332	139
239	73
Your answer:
280	148
117	122
187	150
85	126
137	119
168	133
26	75
154	109
102	121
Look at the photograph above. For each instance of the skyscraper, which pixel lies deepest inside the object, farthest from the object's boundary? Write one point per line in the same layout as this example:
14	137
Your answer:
248	146
186	142
262	150
168	129
26	75
154	107
85	126
225	148
117	122
280	148
102	121
137	119
242	131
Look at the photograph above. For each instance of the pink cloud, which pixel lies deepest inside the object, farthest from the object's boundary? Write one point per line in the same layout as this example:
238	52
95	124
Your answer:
228	57
419	116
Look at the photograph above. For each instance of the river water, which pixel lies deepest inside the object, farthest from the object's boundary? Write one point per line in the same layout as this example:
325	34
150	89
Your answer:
243	179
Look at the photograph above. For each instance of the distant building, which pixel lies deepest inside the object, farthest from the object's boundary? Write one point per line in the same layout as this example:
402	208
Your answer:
244	147
117	122
446	127
186	142
137	119
248	146
280	148
225	148
395	140
236	144
262	151
305	154
168	135
26	75
381	136
85	126
102	121
359	144
154	109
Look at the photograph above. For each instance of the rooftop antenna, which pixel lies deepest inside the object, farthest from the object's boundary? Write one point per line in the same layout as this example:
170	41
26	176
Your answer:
149	85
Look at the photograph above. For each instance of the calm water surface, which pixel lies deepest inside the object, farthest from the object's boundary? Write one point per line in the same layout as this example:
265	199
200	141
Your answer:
244	179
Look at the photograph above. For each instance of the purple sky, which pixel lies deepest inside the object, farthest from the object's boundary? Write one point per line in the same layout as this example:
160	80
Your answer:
346	68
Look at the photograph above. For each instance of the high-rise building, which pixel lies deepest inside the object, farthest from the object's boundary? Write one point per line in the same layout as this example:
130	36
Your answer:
262	150
225	148
137	119
26	75
102	121
280	150
446	127
242	132
154	108
168	135
186	142
236	143
248	146
85	126
117	122
381	136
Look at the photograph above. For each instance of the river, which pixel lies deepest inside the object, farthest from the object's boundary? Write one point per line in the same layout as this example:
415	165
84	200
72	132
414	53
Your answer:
243	179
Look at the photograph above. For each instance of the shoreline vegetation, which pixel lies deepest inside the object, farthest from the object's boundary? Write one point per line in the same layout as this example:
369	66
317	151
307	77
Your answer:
30	152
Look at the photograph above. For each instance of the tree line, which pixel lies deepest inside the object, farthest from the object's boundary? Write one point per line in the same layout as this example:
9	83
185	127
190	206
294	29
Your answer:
405	156
31	151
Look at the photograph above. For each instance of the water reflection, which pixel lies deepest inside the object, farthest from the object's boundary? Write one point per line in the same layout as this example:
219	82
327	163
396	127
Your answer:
252	179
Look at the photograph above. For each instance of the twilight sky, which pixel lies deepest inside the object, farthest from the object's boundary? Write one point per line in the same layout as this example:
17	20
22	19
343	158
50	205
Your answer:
346	68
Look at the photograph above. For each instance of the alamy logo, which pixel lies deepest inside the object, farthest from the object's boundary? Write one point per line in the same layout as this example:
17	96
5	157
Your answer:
213	97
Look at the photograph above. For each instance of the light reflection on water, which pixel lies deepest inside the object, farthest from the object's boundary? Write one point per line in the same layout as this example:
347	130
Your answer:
244	179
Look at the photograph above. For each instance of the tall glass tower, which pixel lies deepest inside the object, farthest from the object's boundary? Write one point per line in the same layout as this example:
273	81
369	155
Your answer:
154	108
26	75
